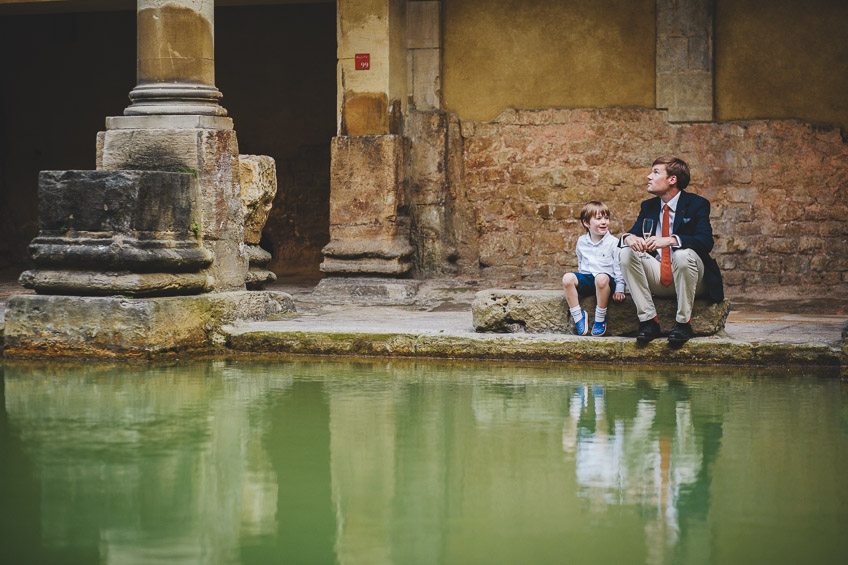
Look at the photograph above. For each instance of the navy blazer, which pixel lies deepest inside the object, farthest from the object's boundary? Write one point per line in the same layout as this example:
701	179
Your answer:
692	226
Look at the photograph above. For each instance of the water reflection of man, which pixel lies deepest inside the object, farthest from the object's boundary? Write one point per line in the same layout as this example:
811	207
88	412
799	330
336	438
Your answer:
640	447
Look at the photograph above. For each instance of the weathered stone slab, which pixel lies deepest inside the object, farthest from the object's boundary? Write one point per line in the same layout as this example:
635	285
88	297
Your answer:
210	154
541	311
124	327
369	227
366	290
118	232
118	201
258	181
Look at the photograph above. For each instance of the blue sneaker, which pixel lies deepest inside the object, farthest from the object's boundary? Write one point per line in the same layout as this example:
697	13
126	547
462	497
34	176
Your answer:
599	328
582	326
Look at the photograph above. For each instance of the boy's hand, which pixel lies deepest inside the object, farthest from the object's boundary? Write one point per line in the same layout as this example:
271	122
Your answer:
618	296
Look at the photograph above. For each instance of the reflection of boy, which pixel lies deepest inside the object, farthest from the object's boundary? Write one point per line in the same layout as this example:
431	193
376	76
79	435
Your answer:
597	266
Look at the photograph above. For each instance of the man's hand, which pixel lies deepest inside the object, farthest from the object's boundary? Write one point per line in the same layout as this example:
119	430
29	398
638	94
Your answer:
653	243
635	242
618	296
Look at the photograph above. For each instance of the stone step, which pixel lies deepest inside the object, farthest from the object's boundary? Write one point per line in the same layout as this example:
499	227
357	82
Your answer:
546	311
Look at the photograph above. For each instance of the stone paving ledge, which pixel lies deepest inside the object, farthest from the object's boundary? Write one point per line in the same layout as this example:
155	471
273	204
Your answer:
810	332
386	333
714	351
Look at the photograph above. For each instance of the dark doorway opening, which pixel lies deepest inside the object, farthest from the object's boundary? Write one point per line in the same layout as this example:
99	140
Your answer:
276	66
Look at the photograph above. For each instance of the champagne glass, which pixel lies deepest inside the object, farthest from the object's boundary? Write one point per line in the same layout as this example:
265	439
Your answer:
647	230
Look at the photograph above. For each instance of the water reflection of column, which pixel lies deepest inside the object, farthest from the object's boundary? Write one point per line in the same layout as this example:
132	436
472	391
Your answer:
209	484
362	471
512	469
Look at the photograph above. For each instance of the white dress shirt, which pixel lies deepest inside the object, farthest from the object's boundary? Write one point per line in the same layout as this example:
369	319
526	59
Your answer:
672	208
594	258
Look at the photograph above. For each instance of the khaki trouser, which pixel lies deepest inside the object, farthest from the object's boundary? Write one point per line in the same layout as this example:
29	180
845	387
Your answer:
642	275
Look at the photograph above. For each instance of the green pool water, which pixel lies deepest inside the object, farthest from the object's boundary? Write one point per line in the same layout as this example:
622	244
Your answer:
376	462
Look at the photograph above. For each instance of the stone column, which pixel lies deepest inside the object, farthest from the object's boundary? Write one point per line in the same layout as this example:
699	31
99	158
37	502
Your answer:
424	42
175	123
176	59
427	129
369	216
685	59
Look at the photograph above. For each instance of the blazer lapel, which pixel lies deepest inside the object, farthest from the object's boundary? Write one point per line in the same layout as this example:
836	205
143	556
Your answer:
682	204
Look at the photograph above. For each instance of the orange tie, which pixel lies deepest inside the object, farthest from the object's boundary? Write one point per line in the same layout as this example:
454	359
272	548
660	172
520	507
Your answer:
665	261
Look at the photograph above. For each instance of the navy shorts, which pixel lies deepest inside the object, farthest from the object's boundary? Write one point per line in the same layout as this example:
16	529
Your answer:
586	284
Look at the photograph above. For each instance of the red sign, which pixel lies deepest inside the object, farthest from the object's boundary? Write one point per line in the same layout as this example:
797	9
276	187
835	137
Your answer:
362	61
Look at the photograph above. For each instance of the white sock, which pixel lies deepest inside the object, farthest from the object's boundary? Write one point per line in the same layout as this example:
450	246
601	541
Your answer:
576	313
600	314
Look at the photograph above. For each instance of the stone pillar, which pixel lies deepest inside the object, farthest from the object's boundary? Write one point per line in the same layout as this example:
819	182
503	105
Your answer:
685	59
369	224
426	127
372	98
176	59
175	123
424	65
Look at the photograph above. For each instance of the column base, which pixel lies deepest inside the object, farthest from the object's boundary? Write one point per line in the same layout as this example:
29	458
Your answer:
205	147
175	98
257	275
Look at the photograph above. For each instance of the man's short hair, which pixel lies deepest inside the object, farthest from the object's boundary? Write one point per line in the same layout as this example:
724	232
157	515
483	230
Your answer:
675	167
591	210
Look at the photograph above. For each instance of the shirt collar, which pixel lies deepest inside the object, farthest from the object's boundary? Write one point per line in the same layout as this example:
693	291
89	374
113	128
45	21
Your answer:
672	204
600	241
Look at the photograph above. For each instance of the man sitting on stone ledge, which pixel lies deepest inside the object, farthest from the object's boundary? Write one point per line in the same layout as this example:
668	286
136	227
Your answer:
674	259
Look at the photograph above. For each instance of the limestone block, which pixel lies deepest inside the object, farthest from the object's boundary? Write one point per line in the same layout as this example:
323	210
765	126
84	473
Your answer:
366	290
368	222
426	79
210	153
258	185
423	24
122	327
370	113
118	201
118	232
541	311
367	181
513	311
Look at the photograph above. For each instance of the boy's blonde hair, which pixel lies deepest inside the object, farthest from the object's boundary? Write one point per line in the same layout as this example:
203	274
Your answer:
591	210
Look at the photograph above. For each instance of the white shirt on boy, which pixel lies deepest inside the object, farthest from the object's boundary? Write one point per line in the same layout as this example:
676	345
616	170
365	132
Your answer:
594	258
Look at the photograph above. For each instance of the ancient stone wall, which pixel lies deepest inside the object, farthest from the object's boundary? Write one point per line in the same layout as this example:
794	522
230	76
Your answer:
778	190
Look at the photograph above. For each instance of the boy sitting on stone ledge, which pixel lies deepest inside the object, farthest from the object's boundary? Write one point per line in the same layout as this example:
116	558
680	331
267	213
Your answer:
597	265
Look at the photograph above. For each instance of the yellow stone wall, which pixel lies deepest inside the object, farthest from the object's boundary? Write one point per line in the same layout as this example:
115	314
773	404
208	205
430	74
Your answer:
538	53
782	59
